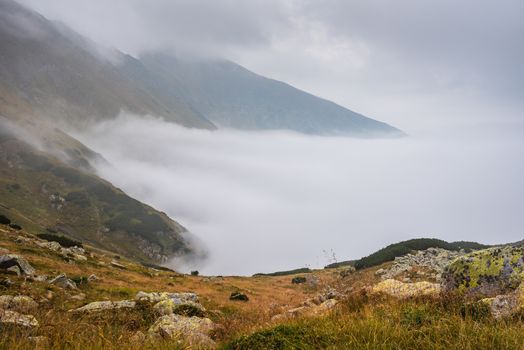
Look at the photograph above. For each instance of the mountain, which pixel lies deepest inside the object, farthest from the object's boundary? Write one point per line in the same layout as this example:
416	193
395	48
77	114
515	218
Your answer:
68	79
231	96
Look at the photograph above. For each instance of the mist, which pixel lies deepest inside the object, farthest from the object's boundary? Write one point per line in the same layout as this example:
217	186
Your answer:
268	201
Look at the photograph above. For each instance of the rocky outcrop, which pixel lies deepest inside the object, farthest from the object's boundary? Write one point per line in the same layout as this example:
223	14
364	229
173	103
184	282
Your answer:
8	261
193	331
178	298
403	290
435	259
487	272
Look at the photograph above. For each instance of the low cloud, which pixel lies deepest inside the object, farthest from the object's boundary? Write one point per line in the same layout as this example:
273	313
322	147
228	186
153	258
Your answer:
267	201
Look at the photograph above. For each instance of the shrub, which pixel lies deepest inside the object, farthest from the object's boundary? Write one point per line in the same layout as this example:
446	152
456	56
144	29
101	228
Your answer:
4	220
64	241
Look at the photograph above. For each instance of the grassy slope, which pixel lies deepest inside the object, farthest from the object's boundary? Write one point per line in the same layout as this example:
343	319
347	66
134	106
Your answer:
360	322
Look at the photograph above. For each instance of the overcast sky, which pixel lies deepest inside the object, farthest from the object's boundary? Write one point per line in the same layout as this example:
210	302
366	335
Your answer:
415	64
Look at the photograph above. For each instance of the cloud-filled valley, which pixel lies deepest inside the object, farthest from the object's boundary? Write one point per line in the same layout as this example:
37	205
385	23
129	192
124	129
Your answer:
266	201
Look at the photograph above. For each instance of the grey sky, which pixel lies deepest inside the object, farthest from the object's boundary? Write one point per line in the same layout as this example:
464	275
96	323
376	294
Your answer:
415	64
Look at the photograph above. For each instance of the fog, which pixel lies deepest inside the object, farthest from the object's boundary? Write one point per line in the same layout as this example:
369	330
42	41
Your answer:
268	201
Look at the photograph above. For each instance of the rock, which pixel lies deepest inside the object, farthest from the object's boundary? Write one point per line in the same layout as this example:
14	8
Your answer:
170	306
15	226
40	342
49	295
63	282
54	246
19	303
93	278
15	270
79	257
403	290
179	298
79	297
238	296
98	306
118	265
347	271
8	317
488	272
435	259
194	331
9	260
298	280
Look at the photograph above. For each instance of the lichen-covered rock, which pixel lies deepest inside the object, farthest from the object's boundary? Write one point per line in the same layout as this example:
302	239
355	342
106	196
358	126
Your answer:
488	272
170	306
98	306
8	317
19	303
10	260
178	298
193	331
403	290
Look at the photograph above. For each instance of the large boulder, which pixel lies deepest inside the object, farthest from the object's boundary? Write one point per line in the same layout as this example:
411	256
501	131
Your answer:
488	272
12	260
403	290
193	331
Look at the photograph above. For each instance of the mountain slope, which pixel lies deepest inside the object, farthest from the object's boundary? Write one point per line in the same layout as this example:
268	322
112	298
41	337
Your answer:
232	96
41	190
66	79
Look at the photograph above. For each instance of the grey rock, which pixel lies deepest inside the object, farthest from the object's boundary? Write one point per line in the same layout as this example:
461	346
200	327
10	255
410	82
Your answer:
63	282
9	260
193	331
98	306
8	317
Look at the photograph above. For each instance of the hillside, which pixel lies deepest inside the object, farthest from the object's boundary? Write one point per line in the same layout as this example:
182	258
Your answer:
54	297
43	187
231	96
392	251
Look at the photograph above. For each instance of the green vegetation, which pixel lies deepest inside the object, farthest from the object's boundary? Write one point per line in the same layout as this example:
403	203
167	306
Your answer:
392	251
285	273
362	323
63	240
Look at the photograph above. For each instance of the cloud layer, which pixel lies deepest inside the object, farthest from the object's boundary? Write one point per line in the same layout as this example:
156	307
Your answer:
277	200
415	65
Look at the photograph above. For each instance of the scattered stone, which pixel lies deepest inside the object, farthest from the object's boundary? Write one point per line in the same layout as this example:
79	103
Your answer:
79	257
63	282
93	278
9	260
79	297
170	306
98	306
118	265
194	331
403	290
8	317
51	245
298	280
238	296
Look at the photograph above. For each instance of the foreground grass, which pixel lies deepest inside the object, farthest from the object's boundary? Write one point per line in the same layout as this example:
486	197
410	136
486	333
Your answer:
389	324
